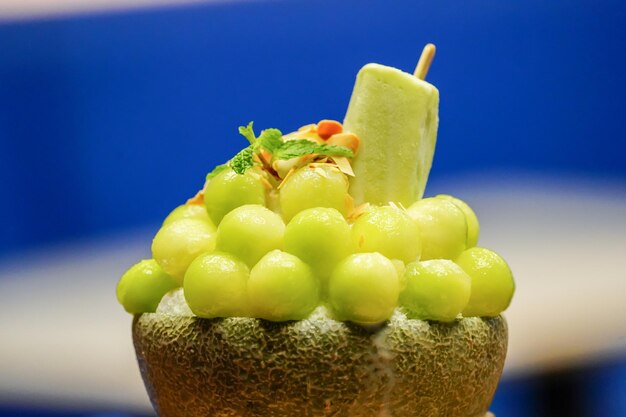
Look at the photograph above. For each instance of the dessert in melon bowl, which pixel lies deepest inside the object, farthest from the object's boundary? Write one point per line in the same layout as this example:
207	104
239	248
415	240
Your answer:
309	276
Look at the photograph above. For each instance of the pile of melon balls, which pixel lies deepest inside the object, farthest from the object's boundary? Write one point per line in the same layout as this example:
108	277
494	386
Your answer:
278	254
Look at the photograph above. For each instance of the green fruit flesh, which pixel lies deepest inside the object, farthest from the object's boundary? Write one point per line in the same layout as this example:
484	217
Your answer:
314	187
395	115
142	287
364	288
179	242
320	267
435	290
216	286
189	211
282	287
492	282
320	237
229	190
389	231
473	227
442	226
249	232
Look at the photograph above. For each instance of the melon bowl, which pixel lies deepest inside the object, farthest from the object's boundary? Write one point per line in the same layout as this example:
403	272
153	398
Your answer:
245	367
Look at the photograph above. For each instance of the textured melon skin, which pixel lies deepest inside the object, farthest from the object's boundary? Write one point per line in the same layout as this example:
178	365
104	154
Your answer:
247	367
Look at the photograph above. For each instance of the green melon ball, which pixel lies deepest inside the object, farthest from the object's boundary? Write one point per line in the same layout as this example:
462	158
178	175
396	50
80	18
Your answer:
216	286
435	290
179	242
320	237
249	232
364	288
308	187
141	288
473	227
282	287
389	231
442	226
229	190
492	282
188	211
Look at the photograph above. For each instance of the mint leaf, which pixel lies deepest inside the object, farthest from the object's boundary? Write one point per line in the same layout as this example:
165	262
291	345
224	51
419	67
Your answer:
243	160
270	140
334	150
216	171
248	133
294	148
301	147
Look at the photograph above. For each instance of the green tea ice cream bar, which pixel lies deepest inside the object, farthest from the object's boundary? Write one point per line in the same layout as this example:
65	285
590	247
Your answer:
395	114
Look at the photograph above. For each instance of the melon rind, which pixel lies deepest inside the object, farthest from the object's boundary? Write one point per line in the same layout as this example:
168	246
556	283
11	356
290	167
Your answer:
247	367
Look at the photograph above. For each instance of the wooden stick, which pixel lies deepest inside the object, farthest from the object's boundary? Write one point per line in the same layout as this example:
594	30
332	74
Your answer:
423	65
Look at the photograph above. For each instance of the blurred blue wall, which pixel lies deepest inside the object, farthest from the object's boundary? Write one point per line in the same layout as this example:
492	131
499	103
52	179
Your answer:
109	121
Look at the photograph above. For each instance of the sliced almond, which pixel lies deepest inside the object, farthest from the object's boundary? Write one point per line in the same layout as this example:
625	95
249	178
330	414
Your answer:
344	165
347	140
309	135
308	128
321	171
283	166
289	174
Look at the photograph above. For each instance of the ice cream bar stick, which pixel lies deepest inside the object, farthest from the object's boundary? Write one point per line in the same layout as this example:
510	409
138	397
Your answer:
428	54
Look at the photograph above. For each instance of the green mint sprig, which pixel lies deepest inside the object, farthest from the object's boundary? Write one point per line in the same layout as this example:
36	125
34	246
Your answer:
271	140
301	147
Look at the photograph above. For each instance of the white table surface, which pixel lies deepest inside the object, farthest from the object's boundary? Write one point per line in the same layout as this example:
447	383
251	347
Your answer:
65	340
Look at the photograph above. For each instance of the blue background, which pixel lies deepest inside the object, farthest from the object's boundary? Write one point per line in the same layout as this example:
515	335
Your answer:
108	121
